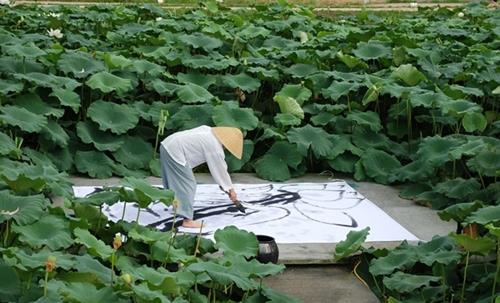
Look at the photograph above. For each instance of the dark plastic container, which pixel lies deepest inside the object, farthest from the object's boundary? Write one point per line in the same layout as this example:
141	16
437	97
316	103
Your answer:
268	249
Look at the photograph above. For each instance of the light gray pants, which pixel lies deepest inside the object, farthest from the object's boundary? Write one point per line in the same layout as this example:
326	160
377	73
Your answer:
181	180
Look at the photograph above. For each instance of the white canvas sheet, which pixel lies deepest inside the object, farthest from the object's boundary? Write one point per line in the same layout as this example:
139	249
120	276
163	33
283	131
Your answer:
291	212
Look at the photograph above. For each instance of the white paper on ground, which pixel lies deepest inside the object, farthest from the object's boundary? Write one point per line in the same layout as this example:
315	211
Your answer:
289	212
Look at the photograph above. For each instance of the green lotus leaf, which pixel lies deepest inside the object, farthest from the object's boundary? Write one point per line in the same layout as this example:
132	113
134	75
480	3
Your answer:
34	104
457	91
49	80
242	118
474	122
480	245
286	120
485	215
147	194
29	50
311	137
147	67
458	188
265	73
365	138
79	64
289	105
11	284
134	153
234	241
435	150
24	119
197	78
95	164
191	116
458	107
116	61
459	211
371	95
222	275
50	230
396	259
118	118
379	165
67	98
493	230
9	86
372	50
251	31
163	88
298	92
95	246
62	158
207	62
88	265
25	178
486	162
323	118
148	235
344	162
89	133
351	244
162	251
407	283
108	195
122	170
426	100
88	293
351	61
233	163
38	259
339	89
8	145
253	268
241	81
55	133
107	82
442	257
418	170
274	165
272	133
301	70
198	40
192	93
22	209
409	74
146	294
368	118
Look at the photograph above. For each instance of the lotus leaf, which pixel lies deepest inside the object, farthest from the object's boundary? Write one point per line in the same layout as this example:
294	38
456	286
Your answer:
233	163
192	93
147	194
486	162
48	80
460	211
396	259
458	188
37	260
435	150
191	116
79	64
55	133
134	153
51	231
311	137
351	61
480	245
11	284
25	178
418	170
298	92
372	50
118	118
222	275
301	70
29	50
368	119
198	40
148	67
458	107
339	89
22	209
344	162
89	133
114	61
473	121
95	246
95	164
485	215
9	86
145	293
242	118
351	244
67	98
253	268
275	296
264	73
24	119
88	265
234	241
241	81
197	78
88	293
8	145
409	74
107	82
406	283
274	165
290	106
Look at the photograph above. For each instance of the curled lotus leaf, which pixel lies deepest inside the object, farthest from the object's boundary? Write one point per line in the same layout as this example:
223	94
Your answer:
409	74
107	82
192	93
289	105
379	165
234	241
22	118
67	98
351	244
486	162
298	92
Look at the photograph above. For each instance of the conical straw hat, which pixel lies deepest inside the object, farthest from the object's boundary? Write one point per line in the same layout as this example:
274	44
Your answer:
231	138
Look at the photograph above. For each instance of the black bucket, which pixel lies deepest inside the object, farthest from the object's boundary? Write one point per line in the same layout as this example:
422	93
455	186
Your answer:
268	249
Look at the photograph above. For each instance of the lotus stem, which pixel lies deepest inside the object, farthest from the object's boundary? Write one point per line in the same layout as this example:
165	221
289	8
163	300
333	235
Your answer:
173	232
465	277
497	272
443	278
123	212
99	220
198	240
482	180
45	284
113	266
138	213
6	233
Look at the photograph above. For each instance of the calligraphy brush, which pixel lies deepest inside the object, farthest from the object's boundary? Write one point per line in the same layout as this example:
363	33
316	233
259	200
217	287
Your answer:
237	203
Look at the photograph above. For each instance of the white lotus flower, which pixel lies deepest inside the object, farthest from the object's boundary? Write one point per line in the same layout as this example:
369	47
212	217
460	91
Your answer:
82	71
413	4
159	18
55	15
220	1
122	237
55	33
461	15
160	1
4	2
303	37
5	212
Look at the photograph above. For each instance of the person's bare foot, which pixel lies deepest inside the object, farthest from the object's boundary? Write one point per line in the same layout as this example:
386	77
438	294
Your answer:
187	223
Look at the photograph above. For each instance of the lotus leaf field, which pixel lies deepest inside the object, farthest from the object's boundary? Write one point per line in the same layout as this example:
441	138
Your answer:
404	99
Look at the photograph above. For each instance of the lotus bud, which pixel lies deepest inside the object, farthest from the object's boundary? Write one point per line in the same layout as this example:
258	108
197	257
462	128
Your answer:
50	264
127	278
159	18
160	1
55	33
461	15
118	240
303	37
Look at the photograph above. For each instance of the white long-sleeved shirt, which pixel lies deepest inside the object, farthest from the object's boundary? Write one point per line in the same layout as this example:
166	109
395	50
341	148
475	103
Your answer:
197	146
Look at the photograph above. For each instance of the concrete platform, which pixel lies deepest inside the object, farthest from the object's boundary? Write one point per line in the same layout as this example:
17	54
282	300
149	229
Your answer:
421	221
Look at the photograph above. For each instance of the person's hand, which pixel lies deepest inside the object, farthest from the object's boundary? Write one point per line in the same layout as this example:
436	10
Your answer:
233	196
